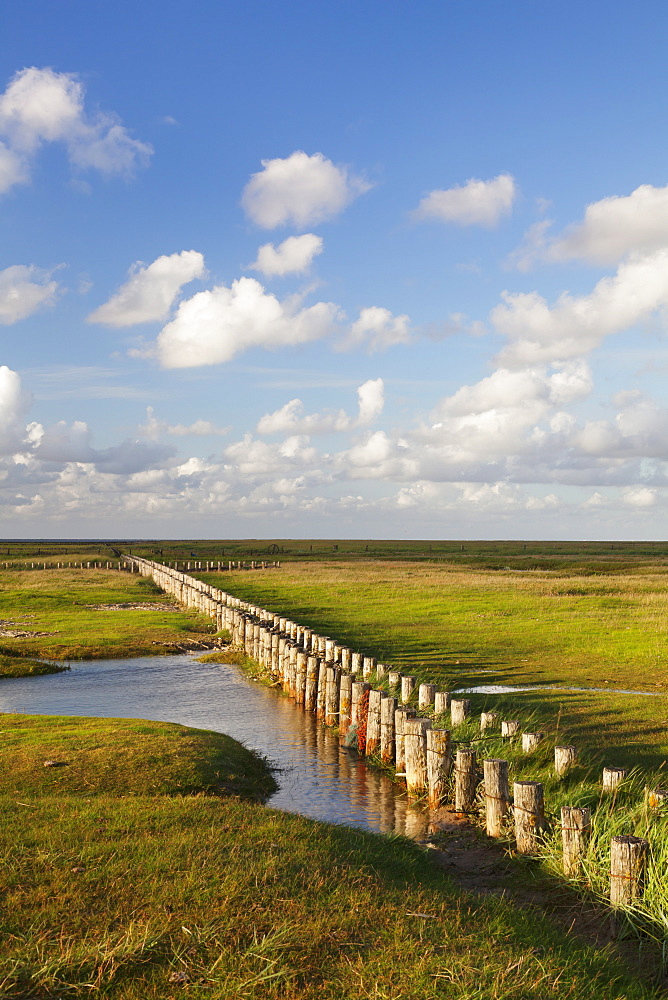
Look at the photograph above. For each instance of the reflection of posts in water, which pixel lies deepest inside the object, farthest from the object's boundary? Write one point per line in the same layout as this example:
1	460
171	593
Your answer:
400	809
300	682
416	823
386	796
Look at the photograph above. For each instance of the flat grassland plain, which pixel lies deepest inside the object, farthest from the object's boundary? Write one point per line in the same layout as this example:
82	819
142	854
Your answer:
151	880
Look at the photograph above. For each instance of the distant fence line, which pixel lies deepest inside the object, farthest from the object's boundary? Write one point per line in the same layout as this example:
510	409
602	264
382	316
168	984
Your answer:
335	683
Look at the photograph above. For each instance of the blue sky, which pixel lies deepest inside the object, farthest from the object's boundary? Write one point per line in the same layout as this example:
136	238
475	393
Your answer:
353	269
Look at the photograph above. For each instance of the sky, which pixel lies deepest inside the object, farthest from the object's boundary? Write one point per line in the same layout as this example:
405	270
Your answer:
343	270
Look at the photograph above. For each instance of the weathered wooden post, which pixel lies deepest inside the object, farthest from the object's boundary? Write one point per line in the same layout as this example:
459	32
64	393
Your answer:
345	696
460	710
510	728
628	867
300	677
564	759
373	722
359	689
356	663
368	667
332	696
322	689
426	693
393	679
529	811
387	709
438	765
402	713
441	702
407	688
488	720
497	795
415	744
575	833
531	740
346	659
311	691
613	777
466	780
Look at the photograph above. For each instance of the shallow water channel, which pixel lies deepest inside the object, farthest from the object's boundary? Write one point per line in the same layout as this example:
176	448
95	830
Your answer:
316	777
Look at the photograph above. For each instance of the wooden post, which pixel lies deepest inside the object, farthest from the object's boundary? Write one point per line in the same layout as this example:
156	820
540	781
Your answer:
346	659
426	693
332	696
407	688
488	720
345	697
612	777
322	688
311	693
387	709
441	702
358	690
564	759
381	670
628	866
401	714
529	810
438	765
510	728
393	679
415	743
466	780
531	740
300	678
368	667
373	722
460	709
575	832
356	663
497	795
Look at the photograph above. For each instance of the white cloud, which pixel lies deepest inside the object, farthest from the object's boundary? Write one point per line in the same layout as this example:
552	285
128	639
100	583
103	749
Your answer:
300	190
291	419
24	290
198	428
378	329
575	326
213	326
476	203
614	227
640	497
41	106
14	404
292	256
151	290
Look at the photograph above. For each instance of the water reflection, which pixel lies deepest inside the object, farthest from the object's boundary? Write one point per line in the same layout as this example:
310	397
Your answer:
316	777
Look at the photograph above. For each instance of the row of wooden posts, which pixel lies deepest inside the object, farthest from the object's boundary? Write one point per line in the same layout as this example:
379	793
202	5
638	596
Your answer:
333	682
204	566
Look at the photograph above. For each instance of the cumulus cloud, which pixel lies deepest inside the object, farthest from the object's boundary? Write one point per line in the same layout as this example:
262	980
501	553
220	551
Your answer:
213	326
614	227
300	190
291	419
376	328
292	256
24	290
151	290
576	325
476	203
14	404
41	106
198	428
